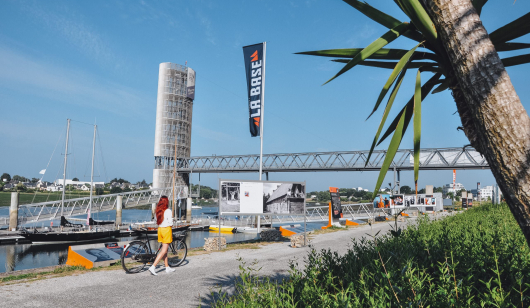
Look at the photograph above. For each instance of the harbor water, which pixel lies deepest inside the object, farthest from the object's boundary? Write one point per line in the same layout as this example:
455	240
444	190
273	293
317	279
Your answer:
28	256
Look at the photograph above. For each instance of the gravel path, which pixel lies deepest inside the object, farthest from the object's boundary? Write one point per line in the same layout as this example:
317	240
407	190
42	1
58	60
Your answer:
192	284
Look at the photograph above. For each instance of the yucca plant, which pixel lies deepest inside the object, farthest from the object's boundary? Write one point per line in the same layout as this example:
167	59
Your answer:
452	43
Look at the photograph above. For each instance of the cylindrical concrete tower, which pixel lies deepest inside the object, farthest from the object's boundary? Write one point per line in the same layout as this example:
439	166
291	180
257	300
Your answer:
174	108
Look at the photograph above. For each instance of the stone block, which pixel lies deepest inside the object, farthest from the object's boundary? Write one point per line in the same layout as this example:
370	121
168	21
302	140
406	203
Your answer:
297	240
270	235
212	243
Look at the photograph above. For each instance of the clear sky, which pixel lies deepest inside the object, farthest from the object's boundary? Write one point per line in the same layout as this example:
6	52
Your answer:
98	61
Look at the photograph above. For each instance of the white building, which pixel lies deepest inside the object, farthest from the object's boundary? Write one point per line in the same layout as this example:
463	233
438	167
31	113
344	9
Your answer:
174	109
448	188
77	183
486	192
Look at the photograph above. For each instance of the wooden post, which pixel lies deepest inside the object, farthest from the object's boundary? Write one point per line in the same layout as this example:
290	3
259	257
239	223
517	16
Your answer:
13	212
188	210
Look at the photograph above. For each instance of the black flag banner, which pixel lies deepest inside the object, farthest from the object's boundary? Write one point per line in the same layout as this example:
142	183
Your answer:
254	67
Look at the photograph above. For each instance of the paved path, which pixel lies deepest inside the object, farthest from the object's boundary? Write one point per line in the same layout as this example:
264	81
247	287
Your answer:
192	284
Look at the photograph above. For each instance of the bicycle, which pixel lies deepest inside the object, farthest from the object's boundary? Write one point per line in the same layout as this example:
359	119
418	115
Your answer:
137	254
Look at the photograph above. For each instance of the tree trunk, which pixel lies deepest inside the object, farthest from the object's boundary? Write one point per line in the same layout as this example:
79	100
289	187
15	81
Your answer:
492	115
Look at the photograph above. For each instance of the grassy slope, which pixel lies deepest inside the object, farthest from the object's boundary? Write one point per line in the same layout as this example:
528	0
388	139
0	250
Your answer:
475	259
25	198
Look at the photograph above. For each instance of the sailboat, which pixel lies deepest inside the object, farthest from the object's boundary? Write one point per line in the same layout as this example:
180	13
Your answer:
71	232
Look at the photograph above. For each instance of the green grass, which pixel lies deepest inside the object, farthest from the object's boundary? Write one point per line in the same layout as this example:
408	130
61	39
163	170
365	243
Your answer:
60	271
478	258
26	198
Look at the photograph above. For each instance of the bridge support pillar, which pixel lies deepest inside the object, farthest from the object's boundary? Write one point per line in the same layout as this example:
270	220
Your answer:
119	205
13	212
188	210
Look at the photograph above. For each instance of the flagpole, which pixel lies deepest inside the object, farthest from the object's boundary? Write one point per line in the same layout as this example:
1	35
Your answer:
262	121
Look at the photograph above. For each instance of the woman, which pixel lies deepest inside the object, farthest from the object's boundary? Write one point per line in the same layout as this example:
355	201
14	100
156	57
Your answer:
164	219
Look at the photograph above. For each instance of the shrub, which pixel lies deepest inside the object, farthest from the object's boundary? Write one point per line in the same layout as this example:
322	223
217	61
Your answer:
475	259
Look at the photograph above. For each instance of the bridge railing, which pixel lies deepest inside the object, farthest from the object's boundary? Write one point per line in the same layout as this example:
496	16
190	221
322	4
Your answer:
78	206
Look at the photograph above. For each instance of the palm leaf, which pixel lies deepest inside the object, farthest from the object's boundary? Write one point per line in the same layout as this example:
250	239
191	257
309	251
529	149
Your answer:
397	69
382	18
390	65
373	47
420	18
390	153
444	86
478	4
513	30
417	126
381	54
511	46
517	60
425	89
386	112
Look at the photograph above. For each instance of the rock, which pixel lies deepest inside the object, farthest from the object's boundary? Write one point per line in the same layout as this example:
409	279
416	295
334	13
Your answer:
212	243
297	240
270	235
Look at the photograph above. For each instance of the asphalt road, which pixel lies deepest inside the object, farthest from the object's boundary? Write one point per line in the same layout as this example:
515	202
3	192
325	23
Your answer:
195	282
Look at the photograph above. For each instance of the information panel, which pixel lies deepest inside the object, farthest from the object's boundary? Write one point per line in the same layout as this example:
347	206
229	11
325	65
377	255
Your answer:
335	202
238	197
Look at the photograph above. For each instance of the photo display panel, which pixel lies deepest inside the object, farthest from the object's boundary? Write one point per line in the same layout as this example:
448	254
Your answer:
238	197
335	202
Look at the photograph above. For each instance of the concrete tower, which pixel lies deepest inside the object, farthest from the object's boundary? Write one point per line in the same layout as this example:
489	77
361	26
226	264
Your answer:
174	109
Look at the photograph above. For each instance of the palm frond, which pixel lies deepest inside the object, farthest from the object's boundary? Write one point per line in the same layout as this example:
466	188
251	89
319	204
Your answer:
512	30
373	47
382	18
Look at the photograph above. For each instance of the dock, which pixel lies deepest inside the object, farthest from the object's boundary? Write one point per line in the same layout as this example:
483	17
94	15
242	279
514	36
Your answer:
12	237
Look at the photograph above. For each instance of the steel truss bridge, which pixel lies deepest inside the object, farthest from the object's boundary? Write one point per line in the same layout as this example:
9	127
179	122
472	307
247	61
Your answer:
430	159
52	210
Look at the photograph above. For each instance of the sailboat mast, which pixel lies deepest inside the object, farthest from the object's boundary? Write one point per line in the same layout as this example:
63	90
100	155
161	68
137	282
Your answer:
92	173
65	162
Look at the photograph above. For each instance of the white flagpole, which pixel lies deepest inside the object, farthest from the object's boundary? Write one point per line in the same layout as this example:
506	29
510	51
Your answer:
261	121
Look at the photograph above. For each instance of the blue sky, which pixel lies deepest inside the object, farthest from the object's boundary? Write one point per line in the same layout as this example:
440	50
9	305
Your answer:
98	61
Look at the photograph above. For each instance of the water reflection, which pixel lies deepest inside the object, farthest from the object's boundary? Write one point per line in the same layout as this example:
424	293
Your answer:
27	256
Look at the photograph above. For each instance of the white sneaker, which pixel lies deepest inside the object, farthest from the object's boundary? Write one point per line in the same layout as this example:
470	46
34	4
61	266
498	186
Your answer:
152	270
170	270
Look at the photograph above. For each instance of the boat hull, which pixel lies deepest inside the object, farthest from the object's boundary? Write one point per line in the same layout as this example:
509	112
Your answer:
223	229
69	237
154	231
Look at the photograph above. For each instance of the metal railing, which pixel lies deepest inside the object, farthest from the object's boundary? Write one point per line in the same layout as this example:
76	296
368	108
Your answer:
52	209
360	211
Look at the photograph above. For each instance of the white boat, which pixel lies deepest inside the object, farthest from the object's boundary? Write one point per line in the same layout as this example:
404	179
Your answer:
196	207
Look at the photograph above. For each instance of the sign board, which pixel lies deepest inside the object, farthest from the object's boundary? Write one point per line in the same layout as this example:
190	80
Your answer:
464	203
246	197
335	203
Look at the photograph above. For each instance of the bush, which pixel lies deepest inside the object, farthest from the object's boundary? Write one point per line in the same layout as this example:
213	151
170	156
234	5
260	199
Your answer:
475	259
115	190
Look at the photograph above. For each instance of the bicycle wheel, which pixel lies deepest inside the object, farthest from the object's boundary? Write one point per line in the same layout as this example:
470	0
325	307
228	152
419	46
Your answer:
177	252
131	257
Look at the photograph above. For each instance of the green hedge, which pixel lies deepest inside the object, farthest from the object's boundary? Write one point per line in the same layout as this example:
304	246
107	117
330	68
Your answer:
475	259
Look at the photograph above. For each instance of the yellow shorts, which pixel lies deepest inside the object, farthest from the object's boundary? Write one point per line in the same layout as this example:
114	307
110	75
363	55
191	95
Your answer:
165	235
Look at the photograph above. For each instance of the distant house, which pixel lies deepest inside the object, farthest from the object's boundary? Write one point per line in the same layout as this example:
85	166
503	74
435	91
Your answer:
286	199
9	186
30	185
54	187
